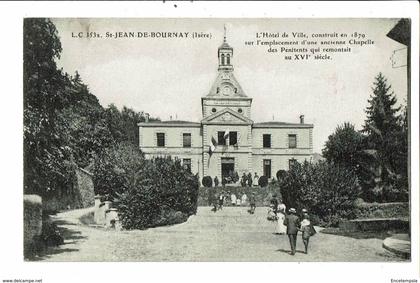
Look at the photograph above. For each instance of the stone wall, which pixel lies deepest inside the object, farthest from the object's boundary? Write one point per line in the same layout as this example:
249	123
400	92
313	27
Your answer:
85	188
79	195
32	220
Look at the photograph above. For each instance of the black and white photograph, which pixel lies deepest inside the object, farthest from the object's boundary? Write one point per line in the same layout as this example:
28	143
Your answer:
221	139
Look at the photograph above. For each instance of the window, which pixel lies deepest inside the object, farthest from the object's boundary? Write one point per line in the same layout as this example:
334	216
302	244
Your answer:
223	59
291	163
292	141
220	138
213	110
233	138
267	168
186	162
186	140
267	141
240	110
228	59
160	139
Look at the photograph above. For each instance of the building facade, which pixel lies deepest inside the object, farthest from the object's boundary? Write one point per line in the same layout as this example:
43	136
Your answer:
227	139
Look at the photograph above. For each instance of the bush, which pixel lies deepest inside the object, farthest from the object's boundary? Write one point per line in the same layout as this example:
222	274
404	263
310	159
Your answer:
160	192
263	181
207	181
327	190
382	210
281	174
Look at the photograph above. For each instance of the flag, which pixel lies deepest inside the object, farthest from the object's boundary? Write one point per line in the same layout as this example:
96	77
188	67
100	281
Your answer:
213	144
225	136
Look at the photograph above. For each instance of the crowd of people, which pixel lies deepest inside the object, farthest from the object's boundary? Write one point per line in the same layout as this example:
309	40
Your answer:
285	222
233	177
220	200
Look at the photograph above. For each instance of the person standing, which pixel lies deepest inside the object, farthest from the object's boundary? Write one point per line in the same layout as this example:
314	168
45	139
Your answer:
244	199
249	181
233	199
214	202
221	200
216	181
243	180
256	178
307	231
281	215
252	203
291	221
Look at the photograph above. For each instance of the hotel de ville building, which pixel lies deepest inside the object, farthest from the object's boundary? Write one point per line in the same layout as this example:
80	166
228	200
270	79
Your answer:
227	139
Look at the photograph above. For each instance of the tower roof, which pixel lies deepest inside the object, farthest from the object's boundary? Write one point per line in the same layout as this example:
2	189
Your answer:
225	45
226	79
225	85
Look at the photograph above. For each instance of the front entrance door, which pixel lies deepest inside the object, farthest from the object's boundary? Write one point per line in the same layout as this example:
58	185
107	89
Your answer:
228	166
267	168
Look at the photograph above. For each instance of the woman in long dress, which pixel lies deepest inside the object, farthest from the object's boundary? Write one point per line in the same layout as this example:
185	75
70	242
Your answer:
281	214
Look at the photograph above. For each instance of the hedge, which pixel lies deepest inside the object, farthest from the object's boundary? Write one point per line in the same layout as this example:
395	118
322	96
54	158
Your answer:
382	210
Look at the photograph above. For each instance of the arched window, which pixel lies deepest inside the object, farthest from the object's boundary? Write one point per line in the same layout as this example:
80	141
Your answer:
228	59
223	59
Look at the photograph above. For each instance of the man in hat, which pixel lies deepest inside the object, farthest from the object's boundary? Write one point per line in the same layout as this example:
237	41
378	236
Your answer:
292	223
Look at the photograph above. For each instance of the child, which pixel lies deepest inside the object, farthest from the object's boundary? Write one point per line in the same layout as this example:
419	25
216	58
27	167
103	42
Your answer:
307	231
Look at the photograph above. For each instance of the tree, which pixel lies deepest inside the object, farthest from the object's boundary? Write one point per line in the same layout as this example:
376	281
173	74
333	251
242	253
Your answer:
45	93
85	125
124	124
344	146
385	142
328	190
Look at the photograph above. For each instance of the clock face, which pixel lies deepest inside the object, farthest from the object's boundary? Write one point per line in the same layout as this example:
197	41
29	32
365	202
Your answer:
226	90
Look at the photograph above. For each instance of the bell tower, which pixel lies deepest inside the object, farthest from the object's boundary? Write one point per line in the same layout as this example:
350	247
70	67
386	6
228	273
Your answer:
226	92
225	54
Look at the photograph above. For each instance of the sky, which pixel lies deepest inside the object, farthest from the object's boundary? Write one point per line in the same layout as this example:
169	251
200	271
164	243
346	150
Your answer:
167	77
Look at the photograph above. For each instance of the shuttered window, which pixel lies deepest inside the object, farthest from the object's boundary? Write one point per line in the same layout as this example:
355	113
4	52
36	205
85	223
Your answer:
233	138
292	141
186	140
266	140
220	138
160	137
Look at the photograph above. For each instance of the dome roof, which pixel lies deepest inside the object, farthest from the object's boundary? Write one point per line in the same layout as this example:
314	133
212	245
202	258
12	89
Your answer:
225	45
